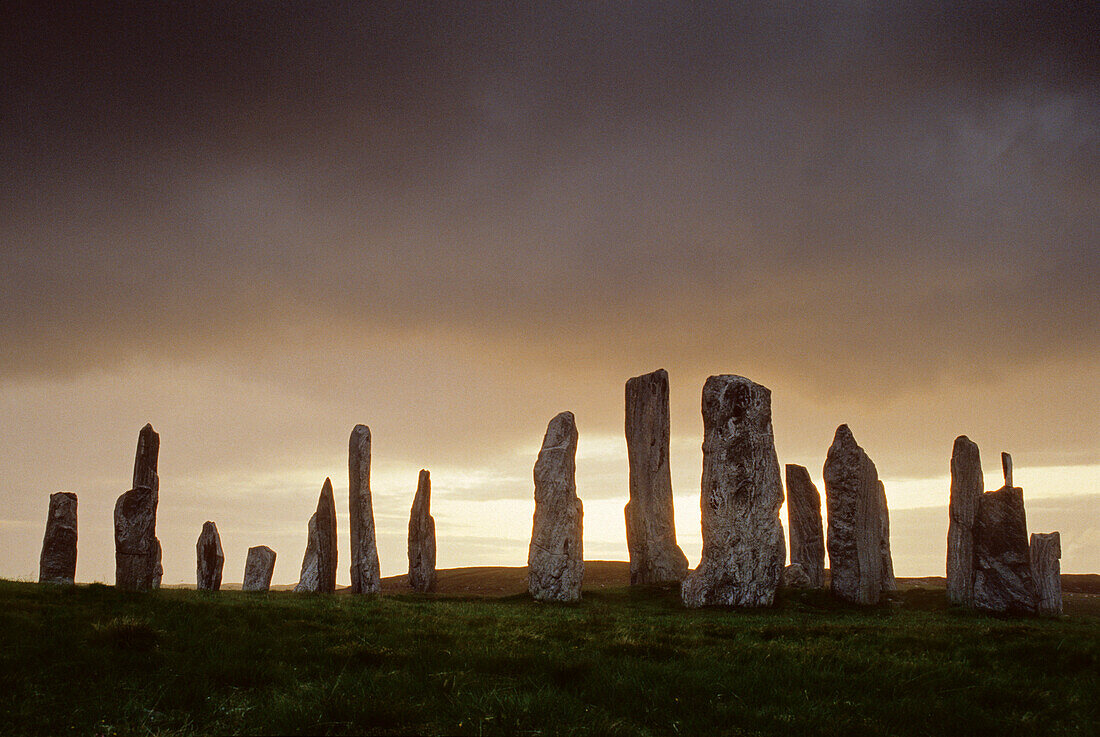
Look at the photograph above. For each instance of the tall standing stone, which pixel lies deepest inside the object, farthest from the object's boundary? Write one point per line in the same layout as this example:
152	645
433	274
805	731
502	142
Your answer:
210	558
136	545
854	501
889	583
365	574
57	564
1006	468
422	537
804	524
743	545
967	486
319	562
1046	549
145	474
1002	555
650	521
555	561
258	569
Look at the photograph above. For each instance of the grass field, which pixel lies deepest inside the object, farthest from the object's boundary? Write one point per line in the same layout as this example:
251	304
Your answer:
92	660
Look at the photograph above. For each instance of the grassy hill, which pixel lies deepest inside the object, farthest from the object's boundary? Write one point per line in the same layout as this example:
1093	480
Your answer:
93	660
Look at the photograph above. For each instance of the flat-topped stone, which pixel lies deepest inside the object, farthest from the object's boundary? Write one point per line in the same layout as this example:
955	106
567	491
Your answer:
57	563
1002	555
258	569
804	526
967	487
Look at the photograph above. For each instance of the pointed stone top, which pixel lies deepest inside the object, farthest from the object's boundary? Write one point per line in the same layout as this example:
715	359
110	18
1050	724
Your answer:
326	488
1006	466
148	427
795	470
844	435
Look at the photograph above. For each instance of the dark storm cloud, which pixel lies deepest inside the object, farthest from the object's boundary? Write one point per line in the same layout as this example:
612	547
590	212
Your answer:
827	183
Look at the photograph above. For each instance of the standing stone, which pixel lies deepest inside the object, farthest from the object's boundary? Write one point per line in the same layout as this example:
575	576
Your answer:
57	564
1046	549
650	522
145	474
136	545
1002	555
889	583
804	525
258	568
422	537
555	561
743	545
854	500
1006	467
319	563
365	574
967	486
208	550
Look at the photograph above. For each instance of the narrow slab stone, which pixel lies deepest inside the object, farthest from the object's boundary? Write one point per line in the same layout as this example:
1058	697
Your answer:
365	573
210	557
650	519
889	583
57	563
555	561
1006	467
804	525
136	545
145	474
967	487
319	562
258	569
743	543
422	537
1046	571
1002	554
854	501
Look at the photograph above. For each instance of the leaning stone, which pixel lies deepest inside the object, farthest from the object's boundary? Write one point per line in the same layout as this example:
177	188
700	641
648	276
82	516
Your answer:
1006	468
743	545
57	564
365	574
555	561
967	486
650	523
854	500
319	562
1046	549
258	568
210	557
136	545
1002	556
422	537
795	577
889	583
804	525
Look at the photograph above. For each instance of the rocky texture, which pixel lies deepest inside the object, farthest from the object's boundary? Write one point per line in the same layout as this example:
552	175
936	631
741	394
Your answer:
365	576
145	475
210	557
967	486
743	545
136	546
855	502
650	521
1006	468
889	583
1046	572
258	568
804	526
555	561
795	576
57	564
422	537
1002	556
319	562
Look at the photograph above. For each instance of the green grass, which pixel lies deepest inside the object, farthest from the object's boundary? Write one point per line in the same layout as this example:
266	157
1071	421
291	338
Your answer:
93	660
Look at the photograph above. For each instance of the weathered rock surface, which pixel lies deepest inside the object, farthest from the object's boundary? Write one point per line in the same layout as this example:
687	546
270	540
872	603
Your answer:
136	546
854	501
967	486
1002	555
258	569
210	558
365	575
804	526
555	561
743	545
889	583
422	537
145	474
795	577
650	520
57	564
1046	571
1006	468
319	562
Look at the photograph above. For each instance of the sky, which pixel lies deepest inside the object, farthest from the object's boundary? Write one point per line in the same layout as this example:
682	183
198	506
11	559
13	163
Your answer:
255	225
